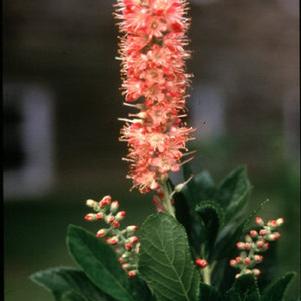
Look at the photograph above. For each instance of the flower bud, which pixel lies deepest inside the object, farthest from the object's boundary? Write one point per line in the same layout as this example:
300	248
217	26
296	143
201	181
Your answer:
260	244
248	246
240	245
272	223
258	258
131	229
91	203
114	206
109	219
233	263
120	215
273	236
102	233
115	224
112	240
133	240
256	272
90	217
259	221
202	263
263	232
238	259
132	274
99	215
125	266
253	233
106	200
121	260
279	221
266	246
128	246
247	261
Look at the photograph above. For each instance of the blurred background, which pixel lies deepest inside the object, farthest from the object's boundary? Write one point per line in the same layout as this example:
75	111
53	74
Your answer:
62	100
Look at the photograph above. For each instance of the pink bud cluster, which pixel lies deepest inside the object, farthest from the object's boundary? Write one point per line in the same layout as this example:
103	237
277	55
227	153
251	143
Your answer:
256	241
154	82
125	243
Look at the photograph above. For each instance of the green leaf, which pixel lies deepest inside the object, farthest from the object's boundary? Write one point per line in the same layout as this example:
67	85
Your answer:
165	260
233	191
276	291
200	188
208	293
72	296
232	295
99	262
251	218
62	279
246	285
244	288
212	217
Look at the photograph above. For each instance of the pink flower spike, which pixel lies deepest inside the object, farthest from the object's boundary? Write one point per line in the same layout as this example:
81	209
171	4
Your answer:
153	68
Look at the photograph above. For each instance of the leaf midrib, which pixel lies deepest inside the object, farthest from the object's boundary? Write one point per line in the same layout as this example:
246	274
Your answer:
175	271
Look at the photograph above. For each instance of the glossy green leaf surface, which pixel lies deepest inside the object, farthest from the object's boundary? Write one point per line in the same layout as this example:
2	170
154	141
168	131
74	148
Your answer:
165	260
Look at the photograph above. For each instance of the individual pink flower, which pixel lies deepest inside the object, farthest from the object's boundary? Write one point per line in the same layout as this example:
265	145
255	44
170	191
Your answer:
154	82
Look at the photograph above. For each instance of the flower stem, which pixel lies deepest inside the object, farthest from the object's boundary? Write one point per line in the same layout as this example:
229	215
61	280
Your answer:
167	199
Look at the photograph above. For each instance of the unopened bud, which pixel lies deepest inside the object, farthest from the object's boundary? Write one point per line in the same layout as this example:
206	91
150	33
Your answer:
248	246
132	274
253	233
263	232
247	261
90	217
106	200
202	263
109	219
102	233
238	259
128	246
259	221
112	240
260	244
256	272
115	224
114	206
120	215
258	258
91	203
99	215
133	239
233	263
279	221
240	245
125	266
273	236
131	229
272	223
121	260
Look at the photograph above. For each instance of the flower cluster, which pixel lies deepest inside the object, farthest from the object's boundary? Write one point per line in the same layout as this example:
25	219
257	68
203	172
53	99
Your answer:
257	241
125	243
154	82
